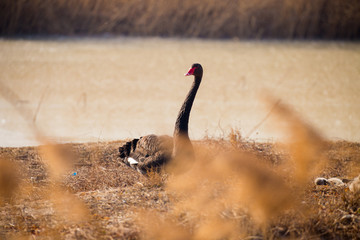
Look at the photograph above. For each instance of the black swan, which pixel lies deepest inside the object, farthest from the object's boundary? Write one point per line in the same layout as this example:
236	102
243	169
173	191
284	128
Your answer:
152	151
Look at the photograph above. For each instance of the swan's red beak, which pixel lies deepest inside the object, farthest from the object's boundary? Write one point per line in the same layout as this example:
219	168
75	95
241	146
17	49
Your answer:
191	71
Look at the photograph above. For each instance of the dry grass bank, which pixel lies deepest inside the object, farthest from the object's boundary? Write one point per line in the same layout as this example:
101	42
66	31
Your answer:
259	19
262	198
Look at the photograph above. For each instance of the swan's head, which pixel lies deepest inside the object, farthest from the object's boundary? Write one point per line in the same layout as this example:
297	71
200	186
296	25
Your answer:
196	70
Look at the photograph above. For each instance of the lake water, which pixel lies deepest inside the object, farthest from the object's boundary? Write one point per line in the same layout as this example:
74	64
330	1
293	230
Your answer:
109	89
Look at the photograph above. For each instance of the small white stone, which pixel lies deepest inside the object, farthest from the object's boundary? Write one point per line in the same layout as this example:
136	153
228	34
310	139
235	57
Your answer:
321	181
355	185
336	182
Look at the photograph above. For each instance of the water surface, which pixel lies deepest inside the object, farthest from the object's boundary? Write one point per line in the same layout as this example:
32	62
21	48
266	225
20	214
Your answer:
108	89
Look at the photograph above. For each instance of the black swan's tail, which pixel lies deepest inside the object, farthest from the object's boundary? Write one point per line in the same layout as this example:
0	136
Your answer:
127	148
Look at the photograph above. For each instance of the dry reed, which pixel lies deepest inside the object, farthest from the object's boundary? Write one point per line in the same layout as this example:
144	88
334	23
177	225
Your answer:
305	19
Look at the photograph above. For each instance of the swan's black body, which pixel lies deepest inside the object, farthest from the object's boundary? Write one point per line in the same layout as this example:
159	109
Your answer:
153	151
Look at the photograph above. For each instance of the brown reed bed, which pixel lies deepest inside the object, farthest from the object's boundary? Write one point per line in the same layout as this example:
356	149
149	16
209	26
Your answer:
244	19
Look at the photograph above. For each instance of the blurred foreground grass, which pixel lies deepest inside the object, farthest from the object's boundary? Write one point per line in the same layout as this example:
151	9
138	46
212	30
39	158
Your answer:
259	19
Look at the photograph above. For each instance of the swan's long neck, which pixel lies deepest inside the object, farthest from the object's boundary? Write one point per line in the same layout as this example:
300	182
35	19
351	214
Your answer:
182	121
